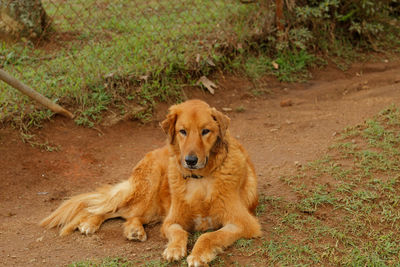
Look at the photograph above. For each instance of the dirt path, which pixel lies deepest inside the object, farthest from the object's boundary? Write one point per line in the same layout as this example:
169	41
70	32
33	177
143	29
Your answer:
33	183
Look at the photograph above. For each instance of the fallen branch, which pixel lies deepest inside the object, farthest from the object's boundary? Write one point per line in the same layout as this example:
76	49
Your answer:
33	94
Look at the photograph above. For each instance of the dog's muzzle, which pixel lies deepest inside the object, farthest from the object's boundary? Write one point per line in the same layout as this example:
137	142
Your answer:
191	162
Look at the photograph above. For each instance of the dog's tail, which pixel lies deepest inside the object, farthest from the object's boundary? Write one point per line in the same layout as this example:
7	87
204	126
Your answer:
104	201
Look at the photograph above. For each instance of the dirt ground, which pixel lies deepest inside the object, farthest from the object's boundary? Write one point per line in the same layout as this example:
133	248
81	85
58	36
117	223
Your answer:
292	124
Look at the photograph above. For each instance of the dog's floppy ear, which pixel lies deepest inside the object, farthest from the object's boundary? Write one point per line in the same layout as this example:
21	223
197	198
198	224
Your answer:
222	120
168	125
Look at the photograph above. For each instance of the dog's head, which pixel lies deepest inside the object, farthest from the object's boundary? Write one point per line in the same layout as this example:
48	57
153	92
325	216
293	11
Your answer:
196	131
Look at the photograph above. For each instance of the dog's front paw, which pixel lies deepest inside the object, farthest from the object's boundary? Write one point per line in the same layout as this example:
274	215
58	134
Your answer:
174	252
135	233
201	256
197	261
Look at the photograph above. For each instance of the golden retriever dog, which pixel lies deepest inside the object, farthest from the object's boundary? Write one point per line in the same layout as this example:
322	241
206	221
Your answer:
201	179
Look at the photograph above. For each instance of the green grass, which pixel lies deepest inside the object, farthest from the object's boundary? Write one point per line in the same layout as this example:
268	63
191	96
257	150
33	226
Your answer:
121	57
290	66
348	209
293	66
119	262
127	53
107	262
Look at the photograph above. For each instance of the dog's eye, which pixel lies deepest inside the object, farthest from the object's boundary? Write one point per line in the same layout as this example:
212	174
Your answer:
205	131
183	132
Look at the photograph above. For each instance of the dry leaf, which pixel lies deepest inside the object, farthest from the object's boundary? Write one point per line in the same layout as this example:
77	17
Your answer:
207	84
210	62
109	75
144	77
275	65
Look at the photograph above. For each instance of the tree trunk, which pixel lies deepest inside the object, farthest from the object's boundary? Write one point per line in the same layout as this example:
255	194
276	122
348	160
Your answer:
23	19
279	15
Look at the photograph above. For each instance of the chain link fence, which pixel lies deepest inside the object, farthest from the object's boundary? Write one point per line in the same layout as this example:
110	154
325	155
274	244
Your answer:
122	56
101	52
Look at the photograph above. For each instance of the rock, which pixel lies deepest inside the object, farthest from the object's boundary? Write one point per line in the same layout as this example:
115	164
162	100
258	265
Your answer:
286	103
297	164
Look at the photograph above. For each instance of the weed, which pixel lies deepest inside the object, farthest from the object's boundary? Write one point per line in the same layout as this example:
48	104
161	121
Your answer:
156	263
292	65
260	209
288	66
34	142
265	201
240	109
320	196
244	244
107	262
193	238
257	66
218	261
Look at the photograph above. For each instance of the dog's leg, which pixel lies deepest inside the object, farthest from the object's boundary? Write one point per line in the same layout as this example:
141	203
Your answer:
177	241
174	229
133	229
209	244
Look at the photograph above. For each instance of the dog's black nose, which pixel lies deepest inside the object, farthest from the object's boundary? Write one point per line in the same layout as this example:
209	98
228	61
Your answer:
191	160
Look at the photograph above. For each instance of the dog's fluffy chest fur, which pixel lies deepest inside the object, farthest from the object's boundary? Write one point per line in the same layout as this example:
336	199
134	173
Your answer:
199	190
199	195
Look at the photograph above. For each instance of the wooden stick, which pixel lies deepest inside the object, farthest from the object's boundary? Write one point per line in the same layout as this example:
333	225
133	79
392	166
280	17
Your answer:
33	94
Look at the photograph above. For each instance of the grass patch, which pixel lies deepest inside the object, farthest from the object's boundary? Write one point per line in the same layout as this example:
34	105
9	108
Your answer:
348	210
290	66
120	262
121	57
107	262
110	54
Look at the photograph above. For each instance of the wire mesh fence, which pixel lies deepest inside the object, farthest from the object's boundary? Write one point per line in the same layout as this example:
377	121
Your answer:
96	52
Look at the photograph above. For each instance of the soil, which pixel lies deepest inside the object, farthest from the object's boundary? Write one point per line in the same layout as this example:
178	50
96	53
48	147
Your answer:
281	129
